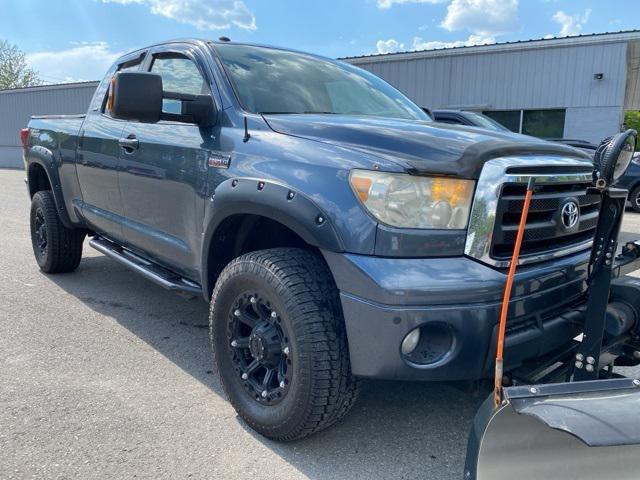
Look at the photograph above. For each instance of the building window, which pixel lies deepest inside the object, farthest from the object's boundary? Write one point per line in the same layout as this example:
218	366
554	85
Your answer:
537	123
543	123
508	118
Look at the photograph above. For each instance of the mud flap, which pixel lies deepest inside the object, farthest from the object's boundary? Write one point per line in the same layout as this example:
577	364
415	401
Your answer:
579	430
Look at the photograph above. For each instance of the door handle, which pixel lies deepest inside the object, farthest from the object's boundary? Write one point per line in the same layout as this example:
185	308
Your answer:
129	143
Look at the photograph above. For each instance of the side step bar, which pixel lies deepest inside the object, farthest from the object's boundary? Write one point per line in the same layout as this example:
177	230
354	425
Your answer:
157	274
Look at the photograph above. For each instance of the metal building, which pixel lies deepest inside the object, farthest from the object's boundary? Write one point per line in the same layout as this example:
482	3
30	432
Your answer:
572	87
18	105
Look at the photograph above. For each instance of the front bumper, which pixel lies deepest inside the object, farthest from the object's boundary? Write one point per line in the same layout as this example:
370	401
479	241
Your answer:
383	299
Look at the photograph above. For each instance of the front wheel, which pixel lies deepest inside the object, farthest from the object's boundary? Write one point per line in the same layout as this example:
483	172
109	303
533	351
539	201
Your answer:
279	343
634	198
57	248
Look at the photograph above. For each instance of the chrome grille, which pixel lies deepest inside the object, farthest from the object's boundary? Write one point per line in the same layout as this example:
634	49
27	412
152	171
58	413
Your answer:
498	202
544	231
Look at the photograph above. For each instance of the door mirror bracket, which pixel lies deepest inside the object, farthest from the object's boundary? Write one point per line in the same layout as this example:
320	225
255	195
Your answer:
198	109
138	96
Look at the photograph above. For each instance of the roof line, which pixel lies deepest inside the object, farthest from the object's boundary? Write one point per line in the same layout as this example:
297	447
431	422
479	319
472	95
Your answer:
515	45
54	86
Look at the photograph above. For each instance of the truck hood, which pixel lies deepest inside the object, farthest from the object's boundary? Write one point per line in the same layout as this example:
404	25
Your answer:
419	146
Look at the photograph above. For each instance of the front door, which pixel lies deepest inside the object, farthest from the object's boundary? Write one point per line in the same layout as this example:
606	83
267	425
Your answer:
163	176
97	160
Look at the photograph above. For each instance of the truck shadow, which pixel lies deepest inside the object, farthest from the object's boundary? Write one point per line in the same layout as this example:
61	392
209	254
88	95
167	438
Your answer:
396	430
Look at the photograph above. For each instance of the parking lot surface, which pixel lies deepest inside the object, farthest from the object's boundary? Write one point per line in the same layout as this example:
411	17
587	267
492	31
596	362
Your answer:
104	374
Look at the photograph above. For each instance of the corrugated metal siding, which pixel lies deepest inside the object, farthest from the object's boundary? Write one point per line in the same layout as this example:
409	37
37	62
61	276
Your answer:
534	78
17	106
632	98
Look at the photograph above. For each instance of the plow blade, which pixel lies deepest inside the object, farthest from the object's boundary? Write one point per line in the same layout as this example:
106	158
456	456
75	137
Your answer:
564	431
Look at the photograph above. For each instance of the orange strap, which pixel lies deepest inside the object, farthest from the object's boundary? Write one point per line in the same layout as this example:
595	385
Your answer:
497	389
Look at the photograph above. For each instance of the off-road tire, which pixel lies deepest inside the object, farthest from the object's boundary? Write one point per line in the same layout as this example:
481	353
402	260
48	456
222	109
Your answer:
634	198
300	287
63	250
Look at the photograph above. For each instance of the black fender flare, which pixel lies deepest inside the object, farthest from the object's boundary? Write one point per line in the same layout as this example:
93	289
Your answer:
269	199
45	158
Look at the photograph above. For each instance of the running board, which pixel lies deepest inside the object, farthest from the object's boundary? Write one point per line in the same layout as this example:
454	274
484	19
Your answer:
157	274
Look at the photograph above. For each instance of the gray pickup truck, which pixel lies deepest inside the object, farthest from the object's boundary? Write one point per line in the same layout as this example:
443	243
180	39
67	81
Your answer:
335	230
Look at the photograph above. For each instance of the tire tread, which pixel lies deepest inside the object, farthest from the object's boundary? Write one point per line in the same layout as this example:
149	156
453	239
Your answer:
311	299
64	245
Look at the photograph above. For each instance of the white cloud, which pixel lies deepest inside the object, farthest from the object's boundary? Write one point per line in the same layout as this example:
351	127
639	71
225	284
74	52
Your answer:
390	3
482	17
420	44
202	14
571	24
84	61
389	46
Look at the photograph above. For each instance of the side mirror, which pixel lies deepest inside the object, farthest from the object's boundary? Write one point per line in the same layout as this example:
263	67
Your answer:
136	96
614	155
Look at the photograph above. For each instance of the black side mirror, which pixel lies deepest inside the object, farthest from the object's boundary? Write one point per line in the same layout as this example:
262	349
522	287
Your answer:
198	109
614	155
136	96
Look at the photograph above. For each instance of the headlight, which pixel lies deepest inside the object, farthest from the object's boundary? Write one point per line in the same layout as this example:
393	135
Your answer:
409	201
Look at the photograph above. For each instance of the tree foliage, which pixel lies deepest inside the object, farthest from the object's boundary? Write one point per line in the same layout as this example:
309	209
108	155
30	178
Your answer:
14	71
632	120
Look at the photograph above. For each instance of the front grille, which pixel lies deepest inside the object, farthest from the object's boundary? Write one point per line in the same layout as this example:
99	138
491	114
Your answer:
544	231
498	202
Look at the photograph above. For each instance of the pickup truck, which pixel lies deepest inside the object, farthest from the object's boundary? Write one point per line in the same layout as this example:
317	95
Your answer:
337	232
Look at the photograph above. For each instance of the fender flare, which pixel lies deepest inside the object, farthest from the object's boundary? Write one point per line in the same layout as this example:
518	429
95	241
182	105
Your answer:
269	199
45	158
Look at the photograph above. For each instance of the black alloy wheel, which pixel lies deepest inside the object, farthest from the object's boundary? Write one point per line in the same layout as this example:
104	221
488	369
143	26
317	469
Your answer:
259	347
40	234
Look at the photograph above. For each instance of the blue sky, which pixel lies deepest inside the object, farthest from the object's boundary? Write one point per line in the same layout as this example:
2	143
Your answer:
68	40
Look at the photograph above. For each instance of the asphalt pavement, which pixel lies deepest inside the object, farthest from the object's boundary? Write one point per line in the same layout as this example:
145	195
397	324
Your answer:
106	375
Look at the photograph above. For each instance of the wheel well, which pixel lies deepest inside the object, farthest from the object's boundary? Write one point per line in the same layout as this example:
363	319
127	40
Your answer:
38	179
240	234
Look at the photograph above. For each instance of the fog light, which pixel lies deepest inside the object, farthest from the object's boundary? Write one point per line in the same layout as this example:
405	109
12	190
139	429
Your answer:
429	344
410	342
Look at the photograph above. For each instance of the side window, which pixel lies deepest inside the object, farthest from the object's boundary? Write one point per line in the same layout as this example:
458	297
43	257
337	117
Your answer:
104	89
180	75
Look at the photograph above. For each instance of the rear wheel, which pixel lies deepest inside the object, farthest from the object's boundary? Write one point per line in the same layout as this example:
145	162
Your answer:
279	343
57	249
634	198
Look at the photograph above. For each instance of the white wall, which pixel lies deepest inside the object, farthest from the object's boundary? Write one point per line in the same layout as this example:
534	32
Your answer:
18	105
592	123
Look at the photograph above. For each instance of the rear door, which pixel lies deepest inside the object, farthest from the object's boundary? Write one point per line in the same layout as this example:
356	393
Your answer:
97	159
164	180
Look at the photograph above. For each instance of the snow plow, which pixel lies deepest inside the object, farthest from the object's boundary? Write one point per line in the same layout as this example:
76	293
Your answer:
572	415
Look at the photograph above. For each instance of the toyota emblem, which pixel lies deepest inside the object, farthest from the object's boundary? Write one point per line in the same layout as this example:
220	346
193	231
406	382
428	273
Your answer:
570	214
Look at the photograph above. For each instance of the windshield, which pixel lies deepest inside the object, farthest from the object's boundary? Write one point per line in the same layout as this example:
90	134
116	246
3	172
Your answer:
269	80
486	122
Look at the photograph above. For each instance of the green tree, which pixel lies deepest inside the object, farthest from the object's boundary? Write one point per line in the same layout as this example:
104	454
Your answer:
632	120
14	71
